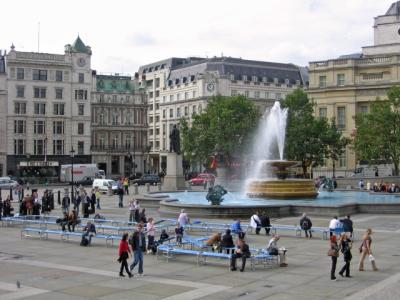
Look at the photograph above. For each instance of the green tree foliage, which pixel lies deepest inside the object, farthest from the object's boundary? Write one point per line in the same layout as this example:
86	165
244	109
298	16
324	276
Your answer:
310	139
377	134
226	126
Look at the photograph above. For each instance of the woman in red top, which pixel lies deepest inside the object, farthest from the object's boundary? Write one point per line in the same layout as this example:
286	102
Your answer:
123	252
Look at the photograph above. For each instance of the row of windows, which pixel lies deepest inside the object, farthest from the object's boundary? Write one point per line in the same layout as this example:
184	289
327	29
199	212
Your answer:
40	147
39	108
178	97
340	80
42	75
39	127
117	119
340	116
259	94
115	142
179	113
41	93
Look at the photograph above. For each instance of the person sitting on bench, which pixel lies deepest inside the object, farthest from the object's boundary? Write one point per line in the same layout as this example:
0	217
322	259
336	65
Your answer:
243	251
237	229
214	242
227	242
64	221
89	231
274	250
163	236
72	220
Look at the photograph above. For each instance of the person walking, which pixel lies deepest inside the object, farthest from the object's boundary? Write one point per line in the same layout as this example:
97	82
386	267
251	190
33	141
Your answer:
97	193
365	249
305	224
126	185
334	254
123	254
138	244
120	193
243	251
333	225
183	218
131	207
255	222
65	203
137	210
265	223
345	246
347	226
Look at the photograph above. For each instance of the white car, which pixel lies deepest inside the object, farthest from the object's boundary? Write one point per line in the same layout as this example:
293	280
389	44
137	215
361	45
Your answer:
104	184
7	183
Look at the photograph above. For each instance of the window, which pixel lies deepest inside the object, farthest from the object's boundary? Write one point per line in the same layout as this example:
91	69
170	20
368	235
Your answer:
19	146
20	91
81	109
150	119
157	119
343	160
157	131
246	94
39	127
39	92
58	127
59	75
171	98
266	95
81	128
194	109
102	143
114	119
254	78
233	93
256	94
39	108
20	73
157	105
278	96
178	97
38	147
80	94
340	79
58	147
59	93
151	132
101	119
364	109
19	126
81	147
178	112
157	94
171	113
151	95
193	94
164	98
58	109
186	95
186	111
322	81
200	109
20	108
164	113
322	112
244	77
232	76
39	74
81	78
341	118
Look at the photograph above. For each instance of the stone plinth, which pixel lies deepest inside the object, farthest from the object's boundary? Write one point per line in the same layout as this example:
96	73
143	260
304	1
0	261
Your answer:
174	179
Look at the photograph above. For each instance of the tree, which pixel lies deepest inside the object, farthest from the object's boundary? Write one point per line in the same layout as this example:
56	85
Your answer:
336	144
226	126
305	134
377	134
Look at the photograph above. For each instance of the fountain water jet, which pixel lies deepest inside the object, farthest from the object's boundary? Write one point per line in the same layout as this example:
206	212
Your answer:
270	173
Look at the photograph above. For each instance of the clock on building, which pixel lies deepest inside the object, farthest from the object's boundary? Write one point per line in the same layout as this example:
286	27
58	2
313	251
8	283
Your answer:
81	62
210	86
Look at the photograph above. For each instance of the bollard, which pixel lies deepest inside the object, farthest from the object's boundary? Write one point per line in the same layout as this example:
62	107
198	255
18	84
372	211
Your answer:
136	186
21	196
159	186
11	194
59	197
148	187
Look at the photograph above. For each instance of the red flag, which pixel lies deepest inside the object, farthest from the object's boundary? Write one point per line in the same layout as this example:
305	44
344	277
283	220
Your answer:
213	165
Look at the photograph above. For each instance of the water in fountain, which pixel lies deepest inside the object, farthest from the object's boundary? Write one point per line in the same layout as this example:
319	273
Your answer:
269	142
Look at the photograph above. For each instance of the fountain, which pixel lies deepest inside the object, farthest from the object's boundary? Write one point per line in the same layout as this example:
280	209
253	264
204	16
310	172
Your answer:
269	179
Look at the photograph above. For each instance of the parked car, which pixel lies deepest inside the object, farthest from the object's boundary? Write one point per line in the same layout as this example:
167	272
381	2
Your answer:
152	179
103	185
7	183
202	178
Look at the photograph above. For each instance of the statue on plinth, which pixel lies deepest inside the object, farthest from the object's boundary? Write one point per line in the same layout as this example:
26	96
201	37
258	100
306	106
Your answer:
175	141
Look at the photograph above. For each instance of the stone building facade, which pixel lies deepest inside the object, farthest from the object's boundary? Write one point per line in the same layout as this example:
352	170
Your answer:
119	125
182	87
347	85
48	110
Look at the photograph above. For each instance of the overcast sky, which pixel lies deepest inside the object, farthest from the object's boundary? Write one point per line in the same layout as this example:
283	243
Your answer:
126	34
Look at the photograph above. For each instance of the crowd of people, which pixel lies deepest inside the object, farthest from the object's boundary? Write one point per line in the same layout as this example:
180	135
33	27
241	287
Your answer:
379	187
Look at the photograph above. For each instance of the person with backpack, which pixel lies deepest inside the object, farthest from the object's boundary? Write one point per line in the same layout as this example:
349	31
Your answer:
123	255
305	224
138	244
345	245
255	222
88	232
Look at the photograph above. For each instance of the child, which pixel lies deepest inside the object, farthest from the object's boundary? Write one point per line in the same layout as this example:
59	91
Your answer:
179	233
163	237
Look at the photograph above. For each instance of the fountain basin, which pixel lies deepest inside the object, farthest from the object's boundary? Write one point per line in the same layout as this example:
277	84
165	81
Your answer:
281	189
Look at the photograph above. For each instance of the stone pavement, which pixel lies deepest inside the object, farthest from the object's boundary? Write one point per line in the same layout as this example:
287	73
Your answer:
51	269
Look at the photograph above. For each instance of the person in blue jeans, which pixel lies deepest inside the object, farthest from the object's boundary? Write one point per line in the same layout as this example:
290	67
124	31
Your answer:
138	244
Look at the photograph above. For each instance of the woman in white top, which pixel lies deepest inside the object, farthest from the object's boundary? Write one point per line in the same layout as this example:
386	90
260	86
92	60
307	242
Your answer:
255	222
131	207
151	232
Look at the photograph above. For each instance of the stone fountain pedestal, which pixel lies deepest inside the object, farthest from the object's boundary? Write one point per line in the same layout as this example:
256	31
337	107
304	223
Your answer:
174	179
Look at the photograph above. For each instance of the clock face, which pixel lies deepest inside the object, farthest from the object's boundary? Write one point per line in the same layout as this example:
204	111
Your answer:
81	62
210	87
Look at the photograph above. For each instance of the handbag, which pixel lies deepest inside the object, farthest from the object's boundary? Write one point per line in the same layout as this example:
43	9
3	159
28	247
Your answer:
371	258
333	253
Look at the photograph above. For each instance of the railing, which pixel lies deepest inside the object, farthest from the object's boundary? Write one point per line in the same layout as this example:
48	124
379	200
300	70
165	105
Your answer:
340	62
373	60
320	64
126	149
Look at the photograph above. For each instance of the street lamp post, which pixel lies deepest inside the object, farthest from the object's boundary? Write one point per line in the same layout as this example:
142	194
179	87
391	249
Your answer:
133	161
72	154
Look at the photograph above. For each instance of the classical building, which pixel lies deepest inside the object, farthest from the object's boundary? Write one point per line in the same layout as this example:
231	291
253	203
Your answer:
119	125
182	87
3	115
345	86
48	110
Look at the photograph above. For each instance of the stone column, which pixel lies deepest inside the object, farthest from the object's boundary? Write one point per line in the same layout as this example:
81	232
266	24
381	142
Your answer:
174	179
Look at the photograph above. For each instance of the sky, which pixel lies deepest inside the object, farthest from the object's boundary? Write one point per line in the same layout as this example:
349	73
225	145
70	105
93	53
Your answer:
125	34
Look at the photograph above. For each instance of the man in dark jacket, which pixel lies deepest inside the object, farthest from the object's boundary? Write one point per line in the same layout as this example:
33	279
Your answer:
265	223
305	224
243	251
227	241
89	232
138	244
65	203
347	225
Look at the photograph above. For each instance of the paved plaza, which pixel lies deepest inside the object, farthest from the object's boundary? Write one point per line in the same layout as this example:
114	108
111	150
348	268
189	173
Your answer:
52	269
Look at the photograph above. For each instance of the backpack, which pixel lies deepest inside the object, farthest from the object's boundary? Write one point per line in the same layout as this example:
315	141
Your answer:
84	242
305	225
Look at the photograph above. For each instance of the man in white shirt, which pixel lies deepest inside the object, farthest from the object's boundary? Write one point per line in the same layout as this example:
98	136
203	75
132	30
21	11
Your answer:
183	218
333	224
255	222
